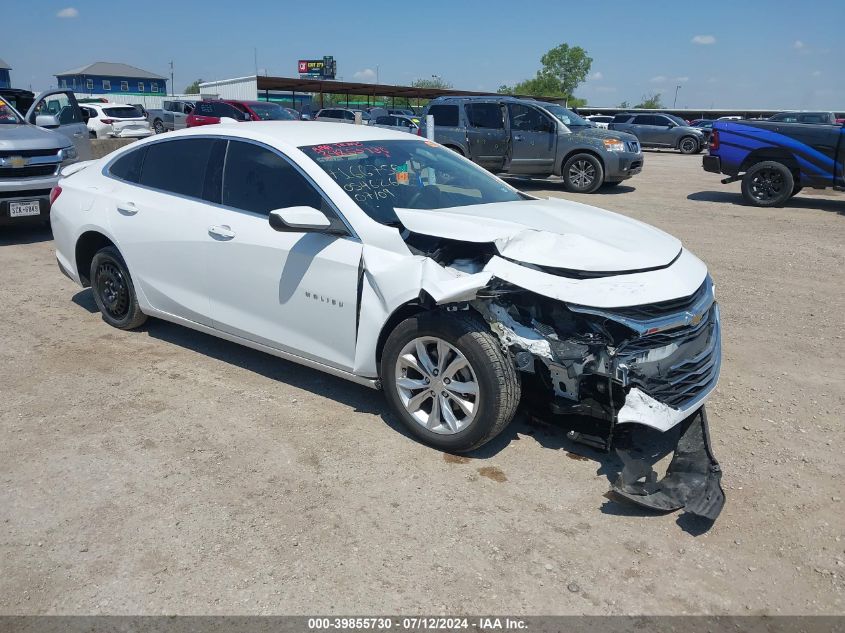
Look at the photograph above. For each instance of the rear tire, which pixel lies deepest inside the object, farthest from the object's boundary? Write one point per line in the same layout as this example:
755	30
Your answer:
113	290
582	173
158	126
767	184
431	398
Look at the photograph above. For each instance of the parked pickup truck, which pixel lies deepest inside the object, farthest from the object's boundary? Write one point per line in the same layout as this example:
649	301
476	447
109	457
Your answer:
172	116
33	148
776	160
525	137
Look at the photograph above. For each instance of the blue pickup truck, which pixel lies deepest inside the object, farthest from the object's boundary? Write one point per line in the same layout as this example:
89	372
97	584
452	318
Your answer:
776	160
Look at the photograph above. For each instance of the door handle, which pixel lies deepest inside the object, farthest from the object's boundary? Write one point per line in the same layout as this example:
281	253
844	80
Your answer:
517	137
78	134
127	208
223	232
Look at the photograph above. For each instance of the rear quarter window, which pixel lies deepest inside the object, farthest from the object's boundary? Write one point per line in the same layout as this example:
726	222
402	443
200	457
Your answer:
128	166
446	115
622	118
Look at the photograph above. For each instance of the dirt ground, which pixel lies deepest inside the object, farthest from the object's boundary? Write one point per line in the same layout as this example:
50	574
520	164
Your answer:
166	471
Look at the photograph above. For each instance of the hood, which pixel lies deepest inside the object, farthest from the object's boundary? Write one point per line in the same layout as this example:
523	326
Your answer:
21	137
600	132
552	233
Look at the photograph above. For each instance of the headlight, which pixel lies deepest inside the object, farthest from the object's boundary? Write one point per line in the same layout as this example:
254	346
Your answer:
613	145
69	153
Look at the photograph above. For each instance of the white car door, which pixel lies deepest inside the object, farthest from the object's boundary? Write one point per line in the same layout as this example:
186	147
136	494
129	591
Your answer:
160	217
293	291
62	104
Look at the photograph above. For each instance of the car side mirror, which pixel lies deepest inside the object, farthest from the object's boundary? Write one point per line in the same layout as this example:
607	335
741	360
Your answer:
299	220
48	121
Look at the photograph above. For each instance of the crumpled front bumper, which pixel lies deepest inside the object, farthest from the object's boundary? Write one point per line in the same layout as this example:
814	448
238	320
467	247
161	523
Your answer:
693	478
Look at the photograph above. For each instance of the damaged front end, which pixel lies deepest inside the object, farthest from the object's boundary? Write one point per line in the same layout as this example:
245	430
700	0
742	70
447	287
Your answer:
616	377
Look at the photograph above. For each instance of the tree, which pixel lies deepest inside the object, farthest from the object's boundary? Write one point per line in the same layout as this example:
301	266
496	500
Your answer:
624	105
651	102
434	82
505	90
565	66
194	88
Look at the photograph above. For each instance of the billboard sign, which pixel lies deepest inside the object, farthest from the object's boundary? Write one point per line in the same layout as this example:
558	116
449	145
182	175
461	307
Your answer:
325	68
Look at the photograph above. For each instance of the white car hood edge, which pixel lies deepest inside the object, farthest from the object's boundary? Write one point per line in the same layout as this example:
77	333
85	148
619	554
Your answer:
552	233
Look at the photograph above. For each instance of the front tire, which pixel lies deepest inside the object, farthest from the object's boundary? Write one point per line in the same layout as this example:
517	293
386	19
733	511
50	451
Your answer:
688	145
582	173
448	380
767	184
113	290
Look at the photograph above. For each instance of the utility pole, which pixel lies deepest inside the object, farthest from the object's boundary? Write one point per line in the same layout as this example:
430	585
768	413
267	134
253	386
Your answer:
171	78
678	87
255	59
377	81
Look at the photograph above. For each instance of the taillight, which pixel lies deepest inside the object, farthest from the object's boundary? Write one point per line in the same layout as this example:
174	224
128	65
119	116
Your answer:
54	194
714	140
419	131
107	121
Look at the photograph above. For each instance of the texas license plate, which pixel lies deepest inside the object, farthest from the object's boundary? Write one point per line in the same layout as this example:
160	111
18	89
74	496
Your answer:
20	209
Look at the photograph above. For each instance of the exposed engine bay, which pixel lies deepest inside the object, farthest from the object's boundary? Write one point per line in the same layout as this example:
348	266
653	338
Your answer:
607	373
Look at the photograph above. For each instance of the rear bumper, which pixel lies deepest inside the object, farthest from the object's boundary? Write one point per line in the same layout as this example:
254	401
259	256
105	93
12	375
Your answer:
43	198
712	164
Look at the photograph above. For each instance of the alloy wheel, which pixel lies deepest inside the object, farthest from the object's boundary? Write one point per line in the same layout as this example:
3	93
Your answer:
767	184
688	146
582	173
437	385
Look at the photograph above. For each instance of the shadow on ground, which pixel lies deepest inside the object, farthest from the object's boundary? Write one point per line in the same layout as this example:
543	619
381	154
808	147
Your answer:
531	184
798	202
25	234
548	435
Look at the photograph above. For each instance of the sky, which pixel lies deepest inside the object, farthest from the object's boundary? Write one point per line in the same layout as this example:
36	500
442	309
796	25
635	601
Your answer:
750	54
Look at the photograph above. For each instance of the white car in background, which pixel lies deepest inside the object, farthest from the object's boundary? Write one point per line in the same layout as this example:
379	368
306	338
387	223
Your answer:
601	120
392	261
116	120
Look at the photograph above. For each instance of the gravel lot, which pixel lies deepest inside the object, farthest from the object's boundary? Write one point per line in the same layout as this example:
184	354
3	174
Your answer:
166	471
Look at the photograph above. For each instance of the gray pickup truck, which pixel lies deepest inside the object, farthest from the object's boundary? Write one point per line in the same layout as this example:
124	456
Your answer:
172	115
524	137
33	148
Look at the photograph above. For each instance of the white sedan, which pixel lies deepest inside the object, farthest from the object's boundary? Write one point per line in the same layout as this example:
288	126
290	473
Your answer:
116	120
391	261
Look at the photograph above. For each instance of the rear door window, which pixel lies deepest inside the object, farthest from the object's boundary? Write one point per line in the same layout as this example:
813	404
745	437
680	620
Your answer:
177	166
485	115
446	115
645	119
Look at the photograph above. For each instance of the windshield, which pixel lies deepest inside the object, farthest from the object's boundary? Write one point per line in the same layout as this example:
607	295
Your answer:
8	114
271	112
567	117
384	175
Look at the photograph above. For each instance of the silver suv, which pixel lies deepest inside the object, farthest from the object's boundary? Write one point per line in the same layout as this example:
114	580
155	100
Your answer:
341	115
661	130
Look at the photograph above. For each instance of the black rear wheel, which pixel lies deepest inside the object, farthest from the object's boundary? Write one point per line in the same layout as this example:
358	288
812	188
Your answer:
113	291
767	184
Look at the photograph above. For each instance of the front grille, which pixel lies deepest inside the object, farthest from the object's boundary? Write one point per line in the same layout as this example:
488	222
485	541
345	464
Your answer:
664	308
31	171
633	146
676	367
28	153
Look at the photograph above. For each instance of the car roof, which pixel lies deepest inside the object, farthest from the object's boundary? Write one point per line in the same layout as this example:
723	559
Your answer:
293	134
